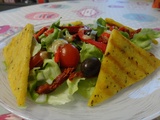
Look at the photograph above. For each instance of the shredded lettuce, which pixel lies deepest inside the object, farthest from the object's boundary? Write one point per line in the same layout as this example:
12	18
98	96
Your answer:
38	76
101	26
83	86
125	34
64	93
60	96
86	87
89	50
49	39
142	39
73	84
145	37
53	69
35	47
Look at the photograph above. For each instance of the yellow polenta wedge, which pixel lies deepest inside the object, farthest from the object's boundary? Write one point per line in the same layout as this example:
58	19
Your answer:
115	23
123	64
17	57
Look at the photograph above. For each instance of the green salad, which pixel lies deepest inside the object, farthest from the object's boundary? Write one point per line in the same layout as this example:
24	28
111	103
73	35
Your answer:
66	58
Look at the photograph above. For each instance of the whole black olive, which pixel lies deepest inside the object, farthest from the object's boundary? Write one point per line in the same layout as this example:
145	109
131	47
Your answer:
90	67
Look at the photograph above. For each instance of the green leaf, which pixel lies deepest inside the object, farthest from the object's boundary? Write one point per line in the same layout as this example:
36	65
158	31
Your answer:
89	50
60	96
86	87
145	37
56	24
101	26
73	85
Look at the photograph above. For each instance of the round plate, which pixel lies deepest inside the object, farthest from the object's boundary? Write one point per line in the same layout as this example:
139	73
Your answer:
139	101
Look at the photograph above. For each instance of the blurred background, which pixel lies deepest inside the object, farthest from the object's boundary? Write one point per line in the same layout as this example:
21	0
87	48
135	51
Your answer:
10	4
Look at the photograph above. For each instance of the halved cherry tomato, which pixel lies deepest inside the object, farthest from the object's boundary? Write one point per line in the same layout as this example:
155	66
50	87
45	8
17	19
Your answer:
69	56
38	59
57	55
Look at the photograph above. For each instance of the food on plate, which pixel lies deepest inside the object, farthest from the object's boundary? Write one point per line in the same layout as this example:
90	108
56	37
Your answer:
17	56
123	64
70	58
115	23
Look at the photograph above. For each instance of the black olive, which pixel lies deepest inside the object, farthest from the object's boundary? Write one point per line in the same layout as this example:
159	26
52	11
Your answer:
90	67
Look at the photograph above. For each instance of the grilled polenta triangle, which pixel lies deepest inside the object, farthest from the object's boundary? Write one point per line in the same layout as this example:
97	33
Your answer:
115	23
123	64
17	57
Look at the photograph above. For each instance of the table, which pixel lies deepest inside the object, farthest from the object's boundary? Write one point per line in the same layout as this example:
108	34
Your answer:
133	13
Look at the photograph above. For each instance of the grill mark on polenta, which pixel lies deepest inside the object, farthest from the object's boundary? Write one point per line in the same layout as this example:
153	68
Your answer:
120	82
131	58
117	81
143	56
134	62
109	88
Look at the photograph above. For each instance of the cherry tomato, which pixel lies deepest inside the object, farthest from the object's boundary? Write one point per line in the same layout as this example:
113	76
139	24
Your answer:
69	56
38	59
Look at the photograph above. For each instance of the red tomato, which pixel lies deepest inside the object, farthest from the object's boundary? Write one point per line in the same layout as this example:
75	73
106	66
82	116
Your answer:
69	56
38	59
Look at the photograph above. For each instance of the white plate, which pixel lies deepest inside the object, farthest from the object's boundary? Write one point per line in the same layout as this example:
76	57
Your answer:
139	101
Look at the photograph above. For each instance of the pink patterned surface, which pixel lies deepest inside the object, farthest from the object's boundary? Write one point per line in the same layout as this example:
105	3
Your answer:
7	30
10	116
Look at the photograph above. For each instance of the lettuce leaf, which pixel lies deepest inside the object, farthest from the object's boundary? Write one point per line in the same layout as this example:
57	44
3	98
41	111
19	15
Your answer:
83	86
60	96
101	26
86	87
37	76
89	50
35	47
145	37
49	71
64	93
73	84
